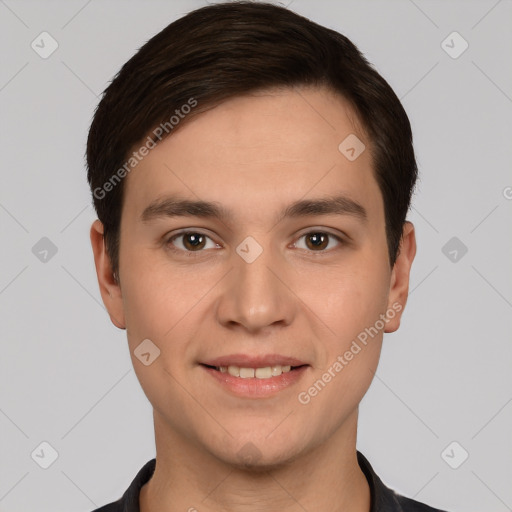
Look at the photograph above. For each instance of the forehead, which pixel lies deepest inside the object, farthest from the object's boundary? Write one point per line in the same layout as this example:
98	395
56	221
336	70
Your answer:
259	152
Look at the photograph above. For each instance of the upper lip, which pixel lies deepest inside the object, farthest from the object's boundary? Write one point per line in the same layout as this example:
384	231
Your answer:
247	361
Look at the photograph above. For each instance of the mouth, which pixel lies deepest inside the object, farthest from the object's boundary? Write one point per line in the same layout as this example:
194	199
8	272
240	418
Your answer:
255	377
263	372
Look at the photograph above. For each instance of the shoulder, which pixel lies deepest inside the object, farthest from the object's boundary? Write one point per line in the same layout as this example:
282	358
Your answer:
129	502
385	499
409	505
116	506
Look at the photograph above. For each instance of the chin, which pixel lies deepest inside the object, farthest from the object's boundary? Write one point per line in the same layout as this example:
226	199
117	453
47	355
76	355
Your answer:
258	454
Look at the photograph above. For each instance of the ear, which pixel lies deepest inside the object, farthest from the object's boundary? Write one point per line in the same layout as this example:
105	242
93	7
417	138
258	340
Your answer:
399	284
109	288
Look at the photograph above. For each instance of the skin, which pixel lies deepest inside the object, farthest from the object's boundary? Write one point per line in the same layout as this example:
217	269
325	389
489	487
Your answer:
255	155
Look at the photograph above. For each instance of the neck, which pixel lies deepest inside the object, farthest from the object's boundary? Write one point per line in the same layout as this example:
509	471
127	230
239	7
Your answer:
188	478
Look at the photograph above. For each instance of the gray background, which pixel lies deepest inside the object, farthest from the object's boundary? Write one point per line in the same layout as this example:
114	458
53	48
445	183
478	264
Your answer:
65	372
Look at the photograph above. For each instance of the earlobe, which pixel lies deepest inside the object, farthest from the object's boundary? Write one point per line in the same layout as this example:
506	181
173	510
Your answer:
399	282
108	283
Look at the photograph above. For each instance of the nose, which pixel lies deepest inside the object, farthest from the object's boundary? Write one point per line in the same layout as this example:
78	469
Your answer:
256	295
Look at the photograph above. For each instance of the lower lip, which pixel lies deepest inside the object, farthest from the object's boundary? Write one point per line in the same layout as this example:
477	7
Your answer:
256	388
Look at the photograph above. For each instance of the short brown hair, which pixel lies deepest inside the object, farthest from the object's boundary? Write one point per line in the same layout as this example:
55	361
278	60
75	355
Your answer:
221	51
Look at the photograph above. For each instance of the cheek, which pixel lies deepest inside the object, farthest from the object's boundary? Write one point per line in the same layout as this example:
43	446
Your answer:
353	346
163	303
347	299
155	296
350	342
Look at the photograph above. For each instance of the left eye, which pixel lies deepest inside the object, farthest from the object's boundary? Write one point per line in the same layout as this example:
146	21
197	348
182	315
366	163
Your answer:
317	241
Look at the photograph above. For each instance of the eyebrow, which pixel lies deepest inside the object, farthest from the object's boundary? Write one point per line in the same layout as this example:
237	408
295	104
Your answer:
173	206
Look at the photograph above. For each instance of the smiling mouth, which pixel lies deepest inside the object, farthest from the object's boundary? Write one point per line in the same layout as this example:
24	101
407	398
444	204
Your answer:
266	372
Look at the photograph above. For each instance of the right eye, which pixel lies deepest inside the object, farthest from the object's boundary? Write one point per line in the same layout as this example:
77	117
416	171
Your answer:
189	242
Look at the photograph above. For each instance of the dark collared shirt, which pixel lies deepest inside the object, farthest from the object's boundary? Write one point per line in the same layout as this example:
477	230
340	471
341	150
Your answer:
383	499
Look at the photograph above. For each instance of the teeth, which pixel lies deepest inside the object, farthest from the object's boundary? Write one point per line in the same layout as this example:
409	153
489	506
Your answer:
260	373
263	373
234	370
276	370
246	373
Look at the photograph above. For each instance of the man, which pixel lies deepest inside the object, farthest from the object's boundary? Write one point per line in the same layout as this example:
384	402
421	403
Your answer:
252	174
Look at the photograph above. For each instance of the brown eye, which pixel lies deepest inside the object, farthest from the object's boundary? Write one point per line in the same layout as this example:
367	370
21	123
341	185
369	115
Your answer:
189	241
193	241
318	241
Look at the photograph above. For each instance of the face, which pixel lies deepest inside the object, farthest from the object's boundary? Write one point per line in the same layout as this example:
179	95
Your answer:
276	279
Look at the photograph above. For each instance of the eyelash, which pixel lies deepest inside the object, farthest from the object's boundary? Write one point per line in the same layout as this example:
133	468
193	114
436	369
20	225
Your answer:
171	247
